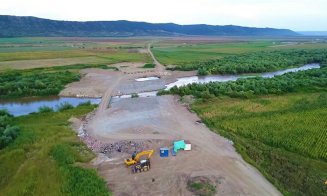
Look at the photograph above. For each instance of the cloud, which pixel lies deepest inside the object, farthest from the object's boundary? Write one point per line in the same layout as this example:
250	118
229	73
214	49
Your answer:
293	14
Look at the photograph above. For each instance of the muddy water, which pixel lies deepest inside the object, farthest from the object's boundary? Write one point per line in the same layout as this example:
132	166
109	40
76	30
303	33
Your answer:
25	106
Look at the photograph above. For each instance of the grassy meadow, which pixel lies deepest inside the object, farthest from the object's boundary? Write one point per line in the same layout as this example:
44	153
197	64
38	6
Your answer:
283	136
48	159
186	52
26	53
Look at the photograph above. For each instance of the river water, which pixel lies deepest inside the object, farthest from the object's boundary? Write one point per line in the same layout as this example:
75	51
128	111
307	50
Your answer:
225	78
26	106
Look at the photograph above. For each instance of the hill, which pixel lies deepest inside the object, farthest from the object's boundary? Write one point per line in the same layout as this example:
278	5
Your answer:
17	26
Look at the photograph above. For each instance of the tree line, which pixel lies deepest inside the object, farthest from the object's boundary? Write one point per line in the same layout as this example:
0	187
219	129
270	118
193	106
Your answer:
314	79
34	83
258	62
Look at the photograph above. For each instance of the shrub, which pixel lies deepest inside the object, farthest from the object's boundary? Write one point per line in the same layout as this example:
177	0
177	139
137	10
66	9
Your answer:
135	95
64	106
149	65
87	103
45	109
8	132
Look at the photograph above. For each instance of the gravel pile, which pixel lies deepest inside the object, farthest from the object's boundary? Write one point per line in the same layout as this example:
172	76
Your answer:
109	149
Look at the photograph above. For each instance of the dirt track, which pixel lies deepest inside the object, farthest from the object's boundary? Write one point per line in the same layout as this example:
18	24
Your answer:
158	121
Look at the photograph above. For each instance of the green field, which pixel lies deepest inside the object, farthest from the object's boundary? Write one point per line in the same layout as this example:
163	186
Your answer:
283	136
25	53
47	158
187	53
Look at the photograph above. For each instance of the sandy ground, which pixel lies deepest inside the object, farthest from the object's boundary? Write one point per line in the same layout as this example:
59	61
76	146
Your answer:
94	83
158	121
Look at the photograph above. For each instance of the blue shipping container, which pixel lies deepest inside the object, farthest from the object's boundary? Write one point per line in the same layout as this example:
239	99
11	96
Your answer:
164	152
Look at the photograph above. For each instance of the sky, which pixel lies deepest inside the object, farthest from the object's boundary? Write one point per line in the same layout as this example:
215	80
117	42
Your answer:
298	15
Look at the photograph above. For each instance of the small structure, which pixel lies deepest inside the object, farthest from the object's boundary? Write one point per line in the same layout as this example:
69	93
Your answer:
164	152
188	145
178	145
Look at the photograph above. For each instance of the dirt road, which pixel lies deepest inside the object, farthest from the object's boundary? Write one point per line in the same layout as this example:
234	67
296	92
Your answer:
158	121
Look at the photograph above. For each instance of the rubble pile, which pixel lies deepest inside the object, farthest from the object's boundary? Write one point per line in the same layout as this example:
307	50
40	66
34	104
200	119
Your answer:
109	149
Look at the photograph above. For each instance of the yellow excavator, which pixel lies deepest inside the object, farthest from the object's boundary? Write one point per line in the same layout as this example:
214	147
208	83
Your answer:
136	157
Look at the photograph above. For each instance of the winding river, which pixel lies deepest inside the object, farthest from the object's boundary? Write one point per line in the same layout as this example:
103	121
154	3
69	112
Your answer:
25	106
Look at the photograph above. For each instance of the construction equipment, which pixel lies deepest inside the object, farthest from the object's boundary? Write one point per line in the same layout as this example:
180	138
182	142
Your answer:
136	157
143	165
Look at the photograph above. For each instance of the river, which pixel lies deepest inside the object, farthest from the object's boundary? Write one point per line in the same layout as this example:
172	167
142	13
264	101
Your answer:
25	106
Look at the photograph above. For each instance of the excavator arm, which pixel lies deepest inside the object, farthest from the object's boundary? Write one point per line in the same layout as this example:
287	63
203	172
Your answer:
132	161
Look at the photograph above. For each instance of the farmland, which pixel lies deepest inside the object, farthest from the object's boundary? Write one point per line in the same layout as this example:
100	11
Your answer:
283	136
25	53
186	52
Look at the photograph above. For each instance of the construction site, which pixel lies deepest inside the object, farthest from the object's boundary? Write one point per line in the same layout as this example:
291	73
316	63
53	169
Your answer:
154	145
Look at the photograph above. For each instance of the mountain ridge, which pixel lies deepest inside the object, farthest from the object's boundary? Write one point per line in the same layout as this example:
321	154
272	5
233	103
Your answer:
22	26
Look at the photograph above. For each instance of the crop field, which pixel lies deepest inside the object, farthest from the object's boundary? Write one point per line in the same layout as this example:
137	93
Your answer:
43	159
183	53
283	136
24	53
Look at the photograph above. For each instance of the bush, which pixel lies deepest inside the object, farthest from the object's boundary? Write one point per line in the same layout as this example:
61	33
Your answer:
8	131
135	95
87	103
64	106
45	109
149	65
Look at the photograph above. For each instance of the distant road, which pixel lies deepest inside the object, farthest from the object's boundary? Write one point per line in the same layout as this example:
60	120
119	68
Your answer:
160	68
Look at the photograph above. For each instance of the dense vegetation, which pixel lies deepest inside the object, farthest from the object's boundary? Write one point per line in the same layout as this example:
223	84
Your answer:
34	83
149	65
43	158
8	131
309	80
41	81
283	136
258	62
14	26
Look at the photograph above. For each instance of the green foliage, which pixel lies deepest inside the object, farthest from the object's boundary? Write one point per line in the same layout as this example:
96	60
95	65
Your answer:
258	62
83	66
87	103
44	109
201	187
64	106
135	95
283	136
8	131
309	80
34	83
149	65
80	181
63	154
43	159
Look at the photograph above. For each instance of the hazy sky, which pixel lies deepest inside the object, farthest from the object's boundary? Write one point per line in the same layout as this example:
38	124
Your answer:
309	15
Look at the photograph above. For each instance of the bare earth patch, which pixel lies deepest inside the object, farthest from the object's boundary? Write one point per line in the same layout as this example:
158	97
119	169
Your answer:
156	122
